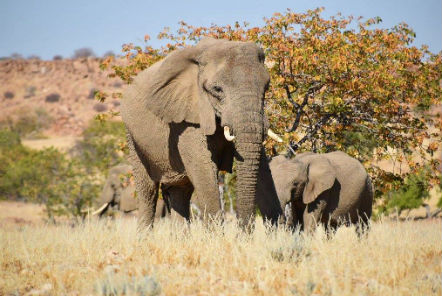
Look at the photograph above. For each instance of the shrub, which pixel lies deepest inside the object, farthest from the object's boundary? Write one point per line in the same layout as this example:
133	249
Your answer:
57	57
100	107
83	53
8	95
11	151
52	98
16	56
33	57
67	184
109	53
117	84
63	184
410	195
30	92
9	138
91	95
27	123
101	144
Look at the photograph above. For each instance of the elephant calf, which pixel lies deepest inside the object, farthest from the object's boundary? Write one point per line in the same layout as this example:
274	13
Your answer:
331	188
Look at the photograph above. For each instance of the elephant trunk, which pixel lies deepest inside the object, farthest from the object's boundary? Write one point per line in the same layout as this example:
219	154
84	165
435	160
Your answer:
249	130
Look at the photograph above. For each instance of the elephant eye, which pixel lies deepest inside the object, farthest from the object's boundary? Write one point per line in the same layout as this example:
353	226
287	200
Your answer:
217	89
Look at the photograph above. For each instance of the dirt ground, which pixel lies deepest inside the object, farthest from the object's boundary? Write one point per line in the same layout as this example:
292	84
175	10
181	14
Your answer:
20	213
61	143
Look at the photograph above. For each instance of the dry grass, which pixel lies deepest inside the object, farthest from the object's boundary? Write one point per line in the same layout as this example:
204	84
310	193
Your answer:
15	212
397	258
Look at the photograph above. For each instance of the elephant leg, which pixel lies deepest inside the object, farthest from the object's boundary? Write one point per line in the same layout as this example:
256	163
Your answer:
298	208
365	209
206	189
363	224
289	215
147	191
201	170
146	188
313	214
179	198
266	197
162	209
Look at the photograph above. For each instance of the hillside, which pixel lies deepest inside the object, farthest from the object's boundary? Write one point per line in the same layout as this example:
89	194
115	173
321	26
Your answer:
32	86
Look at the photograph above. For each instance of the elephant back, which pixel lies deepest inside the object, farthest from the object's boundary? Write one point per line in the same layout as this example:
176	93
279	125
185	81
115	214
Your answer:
355	184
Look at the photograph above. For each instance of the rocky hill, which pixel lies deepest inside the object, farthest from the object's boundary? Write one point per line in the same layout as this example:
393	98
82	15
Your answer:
59	93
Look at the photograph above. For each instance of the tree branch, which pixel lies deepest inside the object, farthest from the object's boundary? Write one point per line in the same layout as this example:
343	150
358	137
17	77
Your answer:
293	147
300	108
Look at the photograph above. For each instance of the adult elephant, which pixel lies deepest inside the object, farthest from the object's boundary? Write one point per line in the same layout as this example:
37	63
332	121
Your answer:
187	116
120	195
330	188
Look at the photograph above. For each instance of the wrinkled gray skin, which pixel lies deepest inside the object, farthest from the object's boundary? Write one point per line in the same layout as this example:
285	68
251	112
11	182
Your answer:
175	112
331	188
121	197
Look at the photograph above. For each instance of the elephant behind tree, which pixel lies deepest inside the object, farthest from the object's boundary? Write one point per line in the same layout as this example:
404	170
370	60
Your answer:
187	116
330	188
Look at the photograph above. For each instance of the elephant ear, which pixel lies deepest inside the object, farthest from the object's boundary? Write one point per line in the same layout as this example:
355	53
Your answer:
321	176
170	89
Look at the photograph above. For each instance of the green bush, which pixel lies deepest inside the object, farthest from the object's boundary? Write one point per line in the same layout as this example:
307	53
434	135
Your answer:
46	177
27	123
439	203
410	195
11	151
101	145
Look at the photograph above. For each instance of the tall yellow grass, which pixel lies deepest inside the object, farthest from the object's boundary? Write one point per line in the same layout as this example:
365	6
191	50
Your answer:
99	257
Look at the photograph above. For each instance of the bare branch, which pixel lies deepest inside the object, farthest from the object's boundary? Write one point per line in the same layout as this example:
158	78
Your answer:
300	108
311	132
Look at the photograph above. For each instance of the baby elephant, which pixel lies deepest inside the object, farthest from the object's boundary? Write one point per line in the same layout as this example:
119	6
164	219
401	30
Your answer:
331	188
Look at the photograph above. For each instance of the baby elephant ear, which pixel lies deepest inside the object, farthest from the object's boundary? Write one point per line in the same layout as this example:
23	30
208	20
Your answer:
321	176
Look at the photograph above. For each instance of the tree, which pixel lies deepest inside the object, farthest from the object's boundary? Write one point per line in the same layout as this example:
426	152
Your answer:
64	185
109	53
410	195
336	84
84	52
99	149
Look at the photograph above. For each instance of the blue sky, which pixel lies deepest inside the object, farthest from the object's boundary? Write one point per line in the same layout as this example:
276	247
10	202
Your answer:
49	27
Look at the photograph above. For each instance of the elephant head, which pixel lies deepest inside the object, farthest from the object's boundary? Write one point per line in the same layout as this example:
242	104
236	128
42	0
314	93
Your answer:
116	193
217	85
302	179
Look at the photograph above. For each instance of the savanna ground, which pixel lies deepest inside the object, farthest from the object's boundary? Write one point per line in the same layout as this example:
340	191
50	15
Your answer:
109	258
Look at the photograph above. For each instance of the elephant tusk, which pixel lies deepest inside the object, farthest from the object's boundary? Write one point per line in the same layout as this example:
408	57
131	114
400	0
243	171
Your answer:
274	136
101	209
227	134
